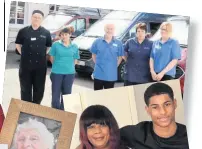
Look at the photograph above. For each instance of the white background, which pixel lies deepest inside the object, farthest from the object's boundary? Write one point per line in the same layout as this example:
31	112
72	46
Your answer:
193	89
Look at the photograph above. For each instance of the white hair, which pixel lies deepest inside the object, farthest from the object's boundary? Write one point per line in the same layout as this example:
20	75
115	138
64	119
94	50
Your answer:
42	129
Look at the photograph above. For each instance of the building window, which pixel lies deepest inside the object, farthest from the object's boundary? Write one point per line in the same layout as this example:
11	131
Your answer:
53	8
17	11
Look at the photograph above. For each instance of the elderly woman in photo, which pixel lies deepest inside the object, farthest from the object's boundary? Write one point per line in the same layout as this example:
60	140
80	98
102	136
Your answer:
165	55
33	135
99	129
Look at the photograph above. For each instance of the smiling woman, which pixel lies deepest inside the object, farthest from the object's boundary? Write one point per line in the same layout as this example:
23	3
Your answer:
99	129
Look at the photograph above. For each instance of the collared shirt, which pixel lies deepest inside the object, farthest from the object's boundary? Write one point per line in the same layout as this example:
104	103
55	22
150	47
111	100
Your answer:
164	53
106	58
64	57
137	64
34	46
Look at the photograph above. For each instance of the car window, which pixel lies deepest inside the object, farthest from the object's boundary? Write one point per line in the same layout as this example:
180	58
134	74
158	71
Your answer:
81	24
97	29
55	22
92	21
73	24
132	31
154	27
126	15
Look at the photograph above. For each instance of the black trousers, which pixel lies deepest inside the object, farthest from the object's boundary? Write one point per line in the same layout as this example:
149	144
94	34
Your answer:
128	83
32	84
167	77
100	84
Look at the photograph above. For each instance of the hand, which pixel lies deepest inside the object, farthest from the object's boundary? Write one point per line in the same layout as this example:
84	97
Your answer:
160	76
154	75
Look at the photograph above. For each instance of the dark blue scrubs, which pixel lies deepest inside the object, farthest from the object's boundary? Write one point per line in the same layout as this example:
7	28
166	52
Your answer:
137	68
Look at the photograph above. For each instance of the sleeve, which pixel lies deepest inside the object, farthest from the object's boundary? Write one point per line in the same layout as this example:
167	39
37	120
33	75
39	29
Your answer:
126	136
52	51
176	50
1	117
76	54
126	46
19	38
93	48
121	49
152	50
48	39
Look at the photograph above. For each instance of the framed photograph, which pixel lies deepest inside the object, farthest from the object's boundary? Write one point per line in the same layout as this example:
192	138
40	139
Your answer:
36	126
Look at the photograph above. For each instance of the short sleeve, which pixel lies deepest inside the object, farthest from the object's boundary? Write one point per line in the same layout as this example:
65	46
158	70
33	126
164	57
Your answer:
52	51
176	50
20	37
121	49
76	54
126	46
93	48
48	39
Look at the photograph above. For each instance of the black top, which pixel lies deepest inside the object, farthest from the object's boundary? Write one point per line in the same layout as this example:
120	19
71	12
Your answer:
34	46
142	136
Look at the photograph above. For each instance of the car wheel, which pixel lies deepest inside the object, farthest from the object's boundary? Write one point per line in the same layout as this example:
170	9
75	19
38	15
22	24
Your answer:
121	70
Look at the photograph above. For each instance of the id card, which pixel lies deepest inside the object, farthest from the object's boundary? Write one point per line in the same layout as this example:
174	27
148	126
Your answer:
33	39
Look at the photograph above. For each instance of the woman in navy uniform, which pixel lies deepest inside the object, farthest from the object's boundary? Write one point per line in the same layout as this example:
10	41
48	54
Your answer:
33	43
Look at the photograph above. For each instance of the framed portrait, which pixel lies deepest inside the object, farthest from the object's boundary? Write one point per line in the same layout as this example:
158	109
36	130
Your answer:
28	124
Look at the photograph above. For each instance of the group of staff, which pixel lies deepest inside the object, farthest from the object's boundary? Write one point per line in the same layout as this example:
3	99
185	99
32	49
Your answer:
146	61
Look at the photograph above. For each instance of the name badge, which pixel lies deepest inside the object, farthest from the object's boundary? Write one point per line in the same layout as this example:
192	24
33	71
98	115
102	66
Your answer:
115	45
32	39
146	48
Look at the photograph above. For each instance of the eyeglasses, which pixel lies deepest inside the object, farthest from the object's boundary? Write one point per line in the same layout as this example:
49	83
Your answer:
163	29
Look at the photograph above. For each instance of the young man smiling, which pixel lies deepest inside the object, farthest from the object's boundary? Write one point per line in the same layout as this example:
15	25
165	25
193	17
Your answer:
162	132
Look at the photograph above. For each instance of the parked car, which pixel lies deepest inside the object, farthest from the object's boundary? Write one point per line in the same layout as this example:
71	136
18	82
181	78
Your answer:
80	18
125	28
180	27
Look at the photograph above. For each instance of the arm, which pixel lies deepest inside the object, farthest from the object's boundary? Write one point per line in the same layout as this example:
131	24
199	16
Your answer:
94	58
126	47
18	47
119	60
52	53
121	53
19	41
151	65
48	42
175	54
76	55
169	66
94	50
51	59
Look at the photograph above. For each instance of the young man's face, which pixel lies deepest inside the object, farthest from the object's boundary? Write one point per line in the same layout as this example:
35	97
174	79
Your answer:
161	108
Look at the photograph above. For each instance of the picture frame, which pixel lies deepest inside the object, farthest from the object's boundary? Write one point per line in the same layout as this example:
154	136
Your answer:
19	108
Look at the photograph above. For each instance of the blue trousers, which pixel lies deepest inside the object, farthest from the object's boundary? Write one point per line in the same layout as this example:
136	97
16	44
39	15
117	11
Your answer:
61	85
